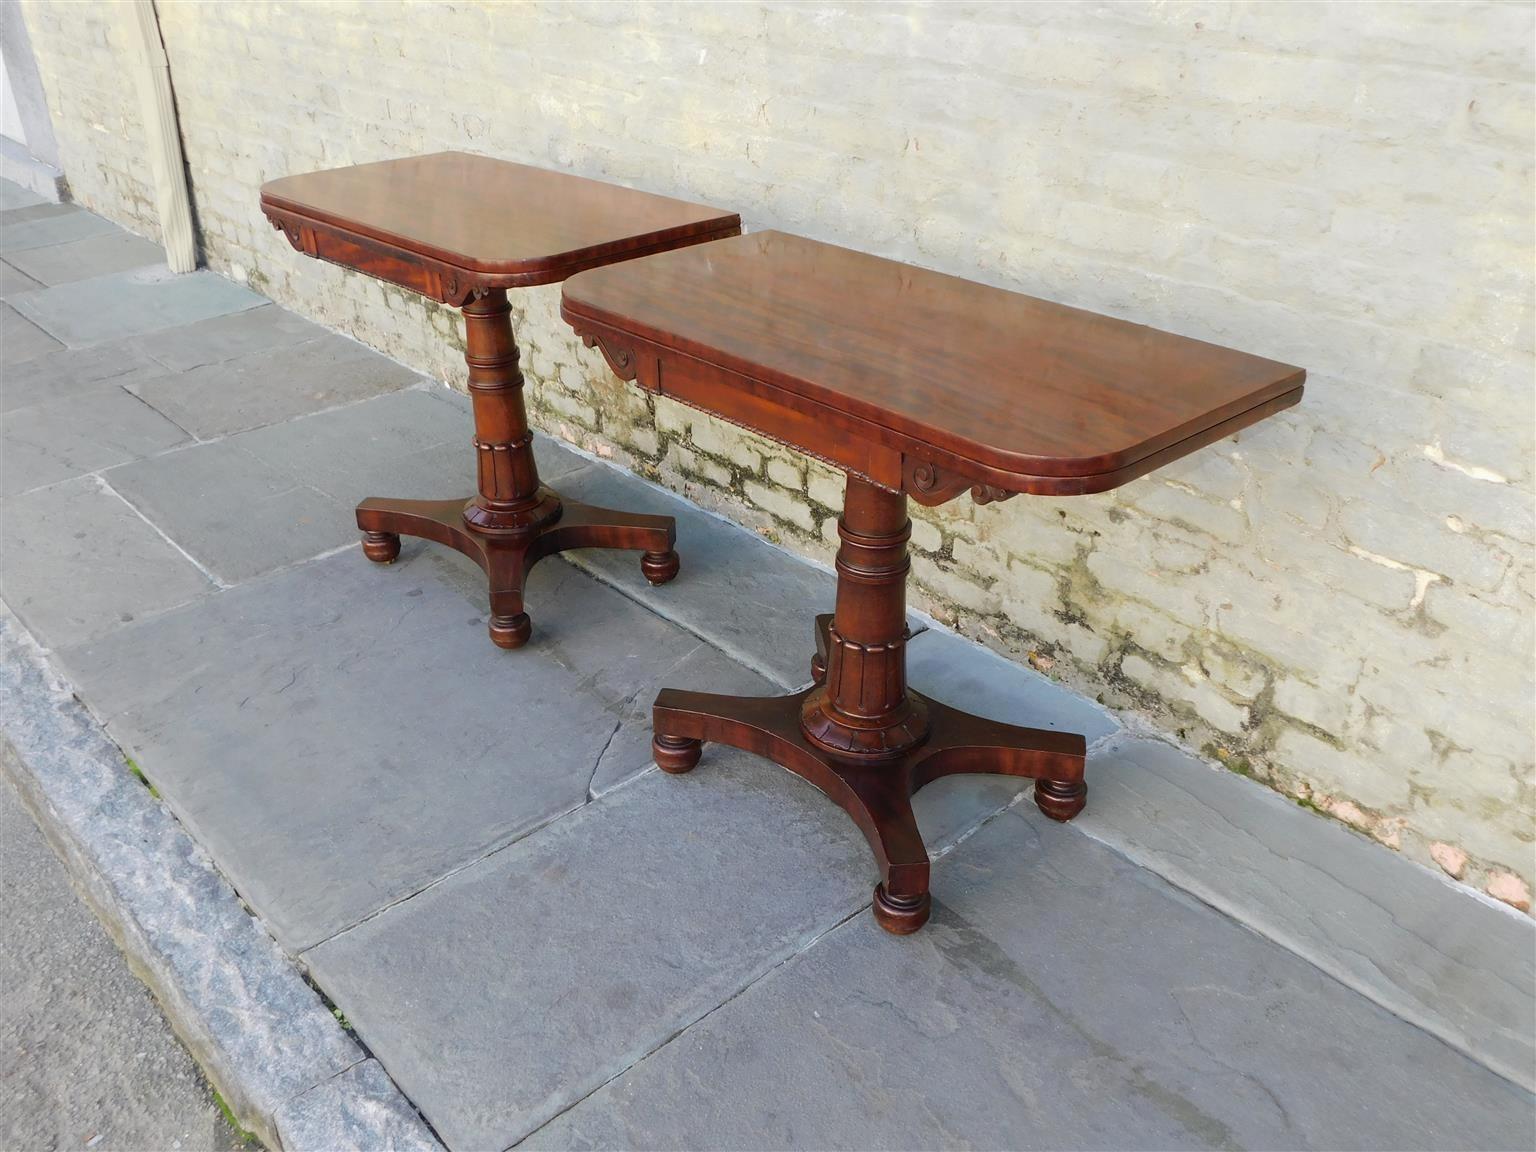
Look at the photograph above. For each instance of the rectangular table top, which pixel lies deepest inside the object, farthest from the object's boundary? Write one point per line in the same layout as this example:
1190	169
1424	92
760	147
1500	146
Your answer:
1020	385
494	217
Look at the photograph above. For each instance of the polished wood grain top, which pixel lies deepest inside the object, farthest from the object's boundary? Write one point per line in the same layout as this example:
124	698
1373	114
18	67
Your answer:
489	216
1017	384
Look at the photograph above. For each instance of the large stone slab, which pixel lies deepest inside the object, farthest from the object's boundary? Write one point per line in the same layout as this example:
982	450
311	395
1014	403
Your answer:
1061	997
47	443
20	339
96	255
12	281
263	329
78	562
415	443
340	734
35	226
264	388
71	372
126	304
513	989
406	444
1462	969
236	515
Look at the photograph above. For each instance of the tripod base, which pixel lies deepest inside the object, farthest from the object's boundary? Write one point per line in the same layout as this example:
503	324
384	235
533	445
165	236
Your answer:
876	791
507	556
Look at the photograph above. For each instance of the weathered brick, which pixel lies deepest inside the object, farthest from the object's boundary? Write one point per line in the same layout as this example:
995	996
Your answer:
785	473
1191	687
780	504
1372	782
926	536
1152	630
1321	709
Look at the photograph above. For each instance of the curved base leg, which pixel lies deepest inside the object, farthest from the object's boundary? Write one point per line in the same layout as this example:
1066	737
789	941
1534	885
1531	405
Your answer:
588	526
507	557
959	742
877	794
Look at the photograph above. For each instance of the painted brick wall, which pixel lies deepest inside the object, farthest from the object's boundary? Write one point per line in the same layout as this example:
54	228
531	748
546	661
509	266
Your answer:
1339	602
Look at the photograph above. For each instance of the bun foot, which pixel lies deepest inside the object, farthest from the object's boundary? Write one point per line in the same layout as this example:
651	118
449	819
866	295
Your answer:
1060	799
510	631
676	754
659	567
901	915
381	547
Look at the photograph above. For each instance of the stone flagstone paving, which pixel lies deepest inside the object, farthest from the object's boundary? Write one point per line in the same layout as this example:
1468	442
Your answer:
542	939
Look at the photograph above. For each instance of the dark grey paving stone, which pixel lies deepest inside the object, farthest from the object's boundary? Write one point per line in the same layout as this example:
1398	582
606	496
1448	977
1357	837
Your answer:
35	226
13	195
340	734
96	255
20	339
414	444
47	443
238	516
265	388
126	304
407	444
78	562
1457	967
1061	997
72	372
13	281
745	596
263	329
592	942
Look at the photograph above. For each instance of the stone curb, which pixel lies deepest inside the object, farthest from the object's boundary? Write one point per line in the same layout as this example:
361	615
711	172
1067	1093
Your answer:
286	1067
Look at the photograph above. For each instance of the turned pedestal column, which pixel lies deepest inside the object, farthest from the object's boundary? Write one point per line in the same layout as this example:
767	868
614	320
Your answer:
513	521
859	733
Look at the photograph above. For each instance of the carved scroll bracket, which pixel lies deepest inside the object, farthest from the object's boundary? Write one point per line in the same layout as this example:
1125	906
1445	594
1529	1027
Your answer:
301	237
638	365
453	287
931	485
623	361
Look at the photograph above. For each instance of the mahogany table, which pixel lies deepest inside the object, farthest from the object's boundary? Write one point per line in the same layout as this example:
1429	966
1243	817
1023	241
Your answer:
462	229
913	383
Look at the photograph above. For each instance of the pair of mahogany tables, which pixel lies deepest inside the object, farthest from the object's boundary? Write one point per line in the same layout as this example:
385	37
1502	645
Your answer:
911	382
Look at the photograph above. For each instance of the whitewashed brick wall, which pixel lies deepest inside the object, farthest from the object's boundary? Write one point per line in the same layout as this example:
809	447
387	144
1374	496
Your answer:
1339	602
